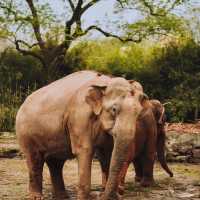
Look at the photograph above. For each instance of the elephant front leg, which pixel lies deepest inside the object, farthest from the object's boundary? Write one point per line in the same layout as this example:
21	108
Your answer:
84	170
122	177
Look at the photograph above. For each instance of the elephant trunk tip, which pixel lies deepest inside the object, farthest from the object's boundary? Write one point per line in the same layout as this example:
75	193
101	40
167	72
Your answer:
171	174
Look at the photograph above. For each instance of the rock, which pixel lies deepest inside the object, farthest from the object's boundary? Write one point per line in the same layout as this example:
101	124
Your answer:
9	153
185	195
171	156
194	160
183	147
182	158
197	141
196	153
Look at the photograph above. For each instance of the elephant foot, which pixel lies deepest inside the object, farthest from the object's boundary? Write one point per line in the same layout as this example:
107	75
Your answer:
62	196
121	189
83	196
113	196
147	182
36	196
138	179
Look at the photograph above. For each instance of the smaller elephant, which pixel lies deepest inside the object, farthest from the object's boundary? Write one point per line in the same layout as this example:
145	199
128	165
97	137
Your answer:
149	140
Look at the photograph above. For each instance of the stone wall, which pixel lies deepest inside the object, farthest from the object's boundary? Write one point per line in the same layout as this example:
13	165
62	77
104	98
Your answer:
180	147
183	147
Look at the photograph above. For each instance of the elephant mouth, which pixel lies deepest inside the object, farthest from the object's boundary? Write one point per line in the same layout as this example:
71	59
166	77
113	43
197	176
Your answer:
108	126
107	122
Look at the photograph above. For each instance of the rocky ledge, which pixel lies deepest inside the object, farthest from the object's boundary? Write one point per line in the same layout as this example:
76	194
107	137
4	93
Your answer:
180	147
183	147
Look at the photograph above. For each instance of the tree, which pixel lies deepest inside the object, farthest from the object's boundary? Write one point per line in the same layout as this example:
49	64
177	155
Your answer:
159	18
36	31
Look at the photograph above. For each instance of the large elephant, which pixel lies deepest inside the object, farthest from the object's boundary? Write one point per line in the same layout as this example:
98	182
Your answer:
149	140
65	118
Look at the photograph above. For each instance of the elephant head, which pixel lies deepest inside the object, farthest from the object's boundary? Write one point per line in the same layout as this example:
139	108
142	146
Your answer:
117	106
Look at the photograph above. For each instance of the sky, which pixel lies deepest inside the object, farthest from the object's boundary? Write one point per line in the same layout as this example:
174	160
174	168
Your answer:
101	13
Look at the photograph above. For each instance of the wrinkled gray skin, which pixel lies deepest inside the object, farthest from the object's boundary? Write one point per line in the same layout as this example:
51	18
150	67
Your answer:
65	119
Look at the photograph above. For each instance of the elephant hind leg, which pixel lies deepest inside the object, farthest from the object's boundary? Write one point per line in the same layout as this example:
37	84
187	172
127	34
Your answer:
35	163
137	163
148	164
55	167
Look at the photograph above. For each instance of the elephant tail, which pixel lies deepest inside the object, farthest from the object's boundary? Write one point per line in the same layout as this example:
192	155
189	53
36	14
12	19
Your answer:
161	153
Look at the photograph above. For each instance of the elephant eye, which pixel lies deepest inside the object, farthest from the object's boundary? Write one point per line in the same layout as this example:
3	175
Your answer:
114	110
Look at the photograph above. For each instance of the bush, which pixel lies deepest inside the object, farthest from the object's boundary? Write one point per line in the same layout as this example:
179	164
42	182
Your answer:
170	73
7	117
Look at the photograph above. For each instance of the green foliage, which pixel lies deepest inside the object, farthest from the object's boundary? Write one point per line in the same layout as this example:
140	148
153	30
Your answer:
157	26
180	76
169	70
17	70
19	76
111	57
9	104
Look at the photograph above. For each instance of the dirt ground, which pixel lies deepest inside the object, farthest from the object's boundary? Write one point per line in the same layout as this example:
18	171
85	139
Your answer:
14	178
184	185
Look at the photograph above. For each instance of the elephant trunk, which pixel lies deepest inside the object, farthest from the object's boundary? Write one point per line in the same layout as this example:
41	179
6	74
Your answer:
124	134
119	153
161	153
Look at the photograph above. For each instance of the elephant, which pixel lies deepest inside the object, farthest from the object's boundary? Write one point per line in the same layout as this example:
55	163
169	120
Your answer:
64	119
149	140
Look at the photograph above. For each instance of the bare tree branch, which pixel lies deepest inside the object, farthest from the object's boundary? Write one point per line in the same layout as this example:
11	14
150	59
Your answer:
76	18
87	6
107	34
153	10
77	13
28	52
26	44
122	2
71	5
35	23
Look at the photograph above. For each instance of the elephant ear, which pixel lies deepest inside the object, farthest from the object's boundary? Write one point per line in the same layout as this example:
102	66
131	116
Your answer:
144	100
158	110
136	85
95	98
